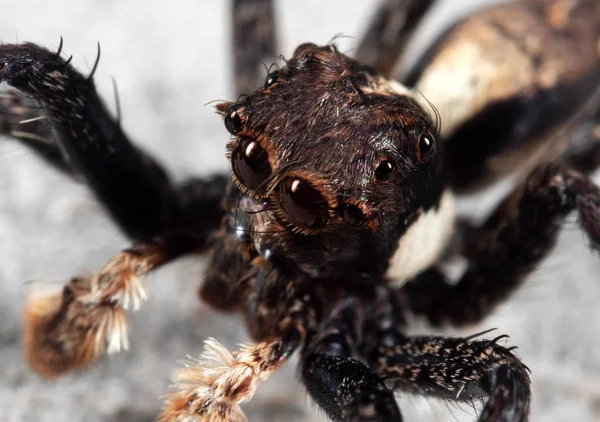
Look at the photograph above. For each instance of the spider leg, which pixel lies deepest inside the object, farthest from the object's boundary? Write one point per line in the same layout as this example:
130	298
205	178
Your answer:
130	184
26	120
455	369
226	265
211	388
71	330
508	246
389	32
254	42
344	387
458	370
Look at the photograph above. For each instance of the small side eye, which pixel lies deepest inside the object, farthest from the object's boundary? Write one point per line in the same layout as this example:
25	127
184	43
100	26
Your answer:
425	147
272	79
233	120
352	215
302	48
302	204
384	171
250	163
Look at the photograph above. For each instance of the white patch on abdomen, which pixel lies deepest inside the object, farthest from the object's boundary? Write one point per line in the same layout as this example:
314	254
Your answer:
424	242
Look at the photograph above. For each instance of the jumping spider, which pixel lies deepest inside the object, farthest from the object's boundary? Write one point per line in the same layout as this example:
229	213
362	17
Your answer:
338	211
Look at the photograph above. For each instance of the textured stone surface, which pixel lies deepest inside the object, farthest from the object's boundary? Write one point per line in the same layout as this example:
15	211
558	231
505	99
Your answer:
169	59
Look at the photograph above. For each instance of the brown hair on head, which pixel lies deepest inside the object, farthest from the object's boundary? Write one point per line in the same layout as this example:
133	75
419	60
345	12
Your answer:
330	142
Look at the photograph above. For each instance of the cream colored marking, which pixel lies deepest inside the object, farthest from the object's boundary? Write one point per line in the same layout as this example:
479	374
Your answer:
384	86
462	79
424	242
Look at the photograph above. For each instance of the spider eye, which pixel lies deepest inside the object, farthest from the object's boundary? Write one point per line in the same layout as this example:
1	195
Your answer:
272	79
250	163
233	120
302	204
352	215
302	48
425	147
384	171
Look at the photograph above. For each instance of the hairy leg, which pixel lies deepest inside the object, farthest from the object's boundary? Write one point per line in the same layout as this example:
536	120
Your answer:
344	387
85	139
508	246
24	119
389	32
70	331
212	388
456	369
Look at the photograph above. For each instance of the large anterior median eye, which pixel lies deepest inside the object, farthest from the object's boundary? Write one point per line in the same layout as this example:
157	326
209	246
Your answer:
250	163
302	204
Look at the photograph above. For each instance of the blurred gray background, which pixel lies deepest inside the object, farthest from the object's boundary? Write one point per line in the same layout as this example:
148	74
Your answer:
169	59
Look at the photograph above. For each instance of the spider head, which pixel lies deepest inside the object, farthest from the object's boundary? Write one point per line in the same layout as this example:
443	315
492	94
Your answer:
334	147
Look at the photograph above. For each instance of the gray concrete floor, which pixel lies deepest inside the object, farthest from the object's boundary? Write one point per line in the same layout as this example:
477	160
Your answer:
169	59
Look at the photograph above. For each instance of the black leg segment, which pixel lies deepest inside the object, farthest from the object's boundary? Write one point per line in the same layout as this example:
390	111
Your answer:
454	369
254	42
509	246
458	370
389	32
67	123
344	387
133	187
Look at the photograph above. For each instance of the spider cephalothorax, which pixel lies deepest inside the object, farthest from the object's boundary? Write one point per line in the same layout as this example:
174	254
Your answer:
331	228
340	159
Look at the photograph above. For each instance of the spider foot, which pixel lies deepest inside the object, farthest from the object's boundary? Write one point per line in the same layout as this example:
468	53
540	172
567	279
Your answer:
212	387
69	331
